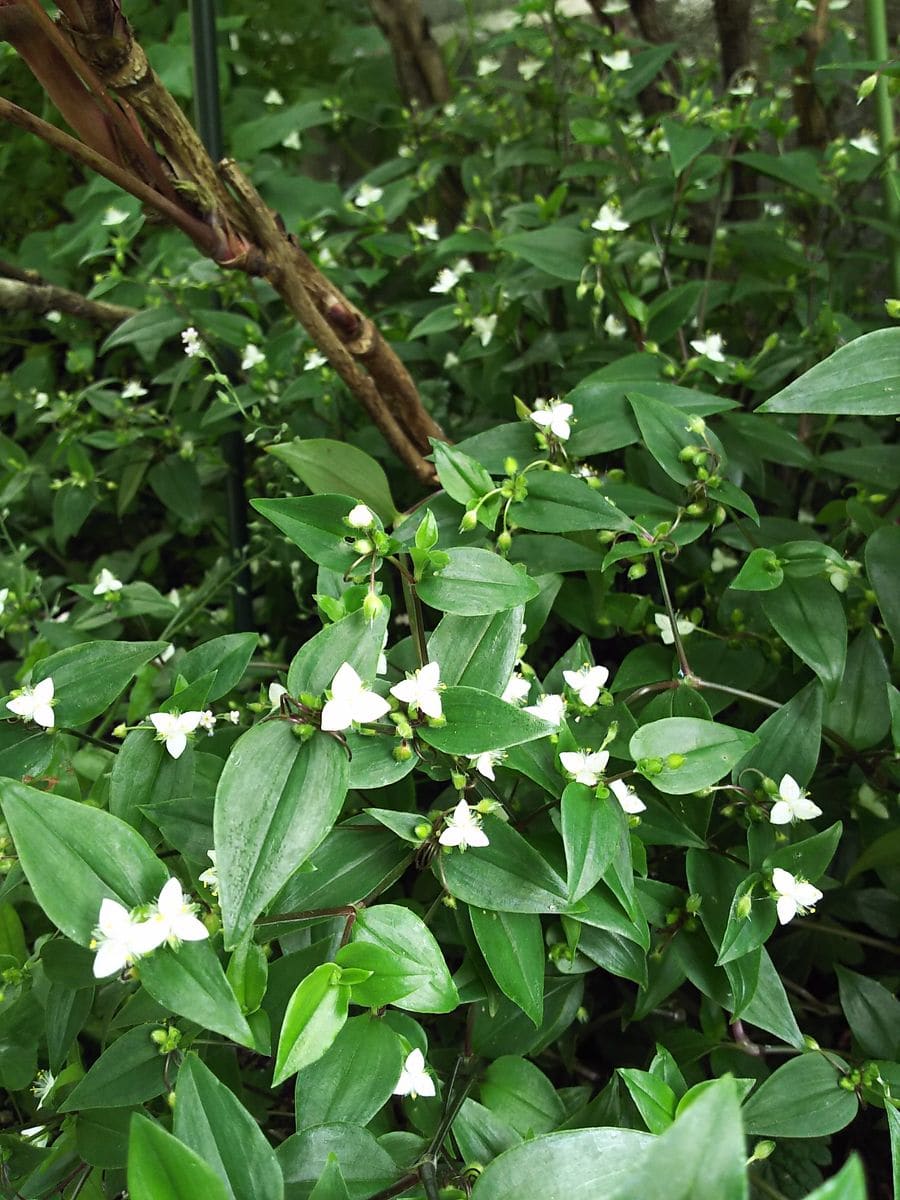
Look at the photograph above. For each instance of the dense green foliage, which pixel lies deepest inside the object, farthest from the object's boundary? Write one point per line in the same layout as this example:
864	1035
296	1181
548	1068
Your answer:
607	905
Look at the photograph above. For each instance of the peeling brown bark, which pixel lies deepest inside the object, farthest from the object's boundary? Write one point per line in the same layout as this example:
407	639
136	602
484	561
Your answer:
418	61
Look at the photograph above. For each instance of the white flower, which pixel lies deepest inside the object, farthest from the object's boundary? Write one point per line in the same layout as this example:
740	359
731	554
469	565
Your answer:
793	895
107	582
618	60
586	683
584	766
210	877
4	596
173	728
517	689
233	716
273	96
550	708
614	327
313	359
711	347
351	701
793	804
276	691
173	920
326	258
119	939
627	797
721	560
463	828
611	7
610	220
414	1079
166	655
487	66
483	328
865	142
114	216
451	360
292	141
42	1088
428	230
555	418
461	267
420	690
133	390
367	195
485	762
529	67
35	703
838	576
664	625
191	341
360	517
41	400
207	721
446	281
253	356
54	316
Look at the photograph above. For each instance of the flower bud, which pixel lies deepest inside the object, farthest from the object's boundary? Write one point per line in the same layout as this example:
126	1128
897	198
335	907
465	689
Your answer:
718	516
510	465
372	606
363	546
674	761
650	766
697	509
892	308
458	780
120	730
504	540
866	88
687	453
697	425
761	1151
403	753
744	906
423	830
769	786
637	571
693	903
469	521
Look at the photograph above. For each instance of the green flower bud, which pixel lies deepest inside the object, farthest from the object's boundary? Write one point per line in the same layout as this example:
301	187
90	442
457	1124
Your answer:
403	753
458	780
372	606
423	830
504	540
702	474
865	89
510	466
761	1151
120	730
693	903
744	906
687	453
697	509
363	546
650	766
892	308
674	761
637	571
697	425
469	521
718	516
769	786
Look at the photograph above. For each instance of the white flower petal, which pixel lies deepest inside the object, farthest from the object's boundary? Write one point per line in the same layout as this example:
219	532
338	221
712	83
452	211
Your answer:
786	907
111	958
369	706
176	743
336	715
781	813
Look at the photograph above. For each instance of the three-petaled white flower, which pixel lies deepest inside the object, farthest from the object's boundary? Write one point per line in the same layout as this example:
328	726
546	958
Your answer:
172	920
428	230
360	517
614	327
446	281
550	708
210	877
414	1079
610	220
173	729
865	142
313	359
483	328
4	596
664	624
191	341
584	766
207	721
35	703
114	216
42	1088
420	690
529	67
586	683
793	804
617	60
711	347
627	797
554	418
253	356
721	560
517	689
463	828
273	97
107	582
367	195
351	701
275	692
793	895
133	390
487	66
119	939
485	762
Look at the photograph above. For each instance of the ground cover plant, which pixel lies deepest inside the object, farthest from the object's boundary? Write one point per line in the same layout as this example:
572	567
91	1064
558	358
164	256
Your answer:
448	740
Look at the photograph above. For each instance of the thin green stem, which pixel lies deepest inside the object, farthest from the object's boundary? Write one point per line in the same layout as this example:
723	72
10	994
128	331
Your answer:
667	600
87	737
416	617
739	693
876	33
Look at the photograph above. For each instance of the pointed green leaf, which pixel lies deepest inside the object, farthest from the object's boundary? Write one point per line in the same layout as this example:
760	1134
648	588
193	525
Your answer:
513	948
190	981
315	1015
162	1168
325	465
87	678
861	378
477	721
709	751
476	583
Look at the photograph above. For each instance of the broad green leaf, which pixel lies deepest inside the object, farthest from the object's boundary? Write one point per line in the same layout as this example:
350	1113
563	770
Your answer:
747	931
477	652
592	830
130	1070
354	1078
162	1168
560	503
410	942
665	433
801	1099
330	1184
87	678
858	711
316	525
366	1168
882	557
861	378
709	751
465	480
248	974
761	572
557	250
873	1014
315	1015
770	1008
211	1120
893	1119
508	875
809	615
476	583
75	856
809	858
276	801
227	656
145	772
353	639
477	721
798	169
654	1099
883	852
850	1181
372	762
328	466
685	142
146	331
190	981
480	1134
522	1095
577	1164
513	948
789	740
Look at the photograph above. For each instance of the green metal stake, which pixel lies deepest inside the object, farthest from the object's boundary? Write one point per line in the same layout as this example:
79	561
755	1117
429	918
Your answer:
876	33
208	115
